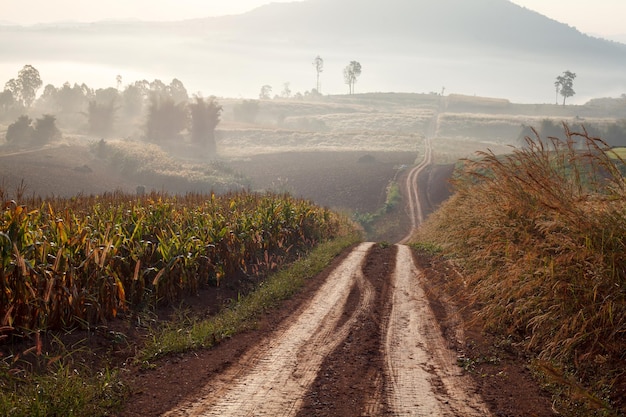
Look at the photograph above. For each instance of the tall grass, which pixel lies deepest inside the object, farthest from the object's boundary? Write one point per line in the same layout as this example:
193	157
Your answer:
541	235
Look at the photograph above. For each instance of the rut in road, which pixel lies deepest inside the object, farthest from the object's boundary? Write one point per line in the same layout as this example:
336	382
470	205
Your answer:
422	376
418	375
272	380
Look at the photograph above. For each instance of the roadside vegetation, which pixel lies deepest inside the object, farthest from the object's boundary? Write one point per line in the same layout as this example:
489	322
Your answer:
375	224
540	237
188	332
71	265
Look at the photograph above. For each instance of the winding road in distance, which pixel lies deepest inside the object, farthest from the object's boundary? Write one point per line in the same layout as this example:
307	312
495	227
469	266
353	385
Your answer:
373	291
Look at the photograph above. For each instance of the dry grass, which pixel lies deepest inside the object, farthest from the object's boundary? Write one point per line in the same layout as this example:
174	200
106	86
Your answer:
541	234
245	142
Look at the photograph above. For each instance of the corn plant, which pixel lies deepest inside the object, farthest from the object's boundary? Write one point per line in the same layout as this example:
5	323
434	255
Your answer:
88	259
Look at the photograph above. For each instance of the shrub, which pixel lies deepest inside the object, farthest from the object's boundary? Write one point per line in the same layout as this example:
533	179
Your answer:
46	129
20	130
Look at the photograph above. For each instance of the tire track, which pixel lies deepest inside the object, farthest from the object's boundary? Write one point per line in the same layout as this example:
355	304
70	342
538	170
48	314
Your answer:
422	376
414	207
272	380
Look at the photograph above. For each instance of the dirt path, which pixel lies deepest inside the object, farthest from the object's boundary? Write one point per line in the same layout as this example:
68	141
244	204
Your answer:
418	375
424	379
272	380
369	342
412	192
409	370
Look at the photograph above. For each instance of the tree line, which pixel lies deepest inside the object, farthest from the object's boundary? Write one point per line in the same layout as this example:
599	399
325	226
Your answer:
165	111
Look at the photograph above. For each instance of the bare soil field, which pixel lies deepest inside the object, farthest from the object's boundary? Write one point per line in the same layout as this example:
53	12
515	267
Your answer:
61	171
340	180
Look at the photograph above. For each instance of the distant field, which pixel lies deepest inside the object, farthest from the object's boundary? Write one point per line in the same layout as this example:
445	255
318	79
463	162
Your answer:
367	123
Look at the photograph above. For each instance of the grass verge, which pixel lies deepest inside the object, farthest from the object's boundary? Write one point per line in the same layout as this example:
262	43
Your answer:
62	389
369	220
188	334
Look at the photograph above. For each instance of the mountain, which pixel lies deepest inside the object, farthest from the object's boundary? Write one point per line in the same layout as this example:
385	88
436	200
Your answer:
484	47
479	23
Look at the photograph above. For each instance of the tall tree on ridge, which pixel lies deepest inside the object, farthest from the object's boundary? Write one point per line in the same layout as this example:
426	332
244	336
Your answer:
565	84
318	63
351	73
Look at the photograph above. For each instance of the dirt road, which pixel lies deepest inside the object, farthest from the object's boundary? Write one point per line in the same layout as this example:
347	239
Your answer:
272	380
424	379
410	369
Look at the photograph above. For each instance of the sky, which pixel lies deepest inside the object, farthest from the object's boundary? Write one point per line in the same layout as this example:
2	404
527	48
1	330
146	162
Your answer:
596	17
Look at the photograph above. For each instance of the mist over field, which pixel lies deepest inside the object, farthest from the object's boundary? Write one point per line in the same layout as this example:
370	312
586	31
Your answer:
479	47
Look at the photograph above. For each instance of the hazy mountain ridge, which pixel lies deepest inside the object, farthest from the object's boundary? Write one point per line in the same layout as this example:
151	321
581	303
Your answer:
498	23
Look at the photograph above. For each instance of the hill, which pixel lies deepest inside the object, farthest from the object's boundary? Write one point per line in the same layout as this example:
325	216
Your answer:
485	47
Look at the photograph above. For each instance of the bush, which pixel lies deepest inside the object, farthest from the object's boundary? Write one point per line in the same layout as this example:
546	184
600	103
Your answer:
46	129
20	130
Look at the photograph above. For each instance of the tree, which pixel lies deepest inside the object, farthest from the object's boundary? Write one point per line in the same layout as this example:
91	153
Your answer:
166	119
177	91
266	92
6	103
48	99
205	116
101	117
25	86
46	129
20	130
565	84
351	73
133	100
286	93
106	95
318	64
557	86
73	99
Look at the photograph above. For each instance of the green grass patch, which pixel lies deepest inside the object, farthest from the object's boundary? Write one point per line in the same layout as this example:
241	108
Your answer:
368	220
188	334
60	390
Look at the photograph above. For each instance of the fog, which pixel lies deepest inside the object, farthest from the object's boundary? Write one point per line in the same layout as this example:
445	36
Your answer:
237	63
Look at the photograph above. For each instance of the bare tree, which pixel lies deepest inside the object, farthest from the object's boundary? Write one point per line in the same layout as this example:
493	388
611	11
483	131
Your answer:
318	63
351	73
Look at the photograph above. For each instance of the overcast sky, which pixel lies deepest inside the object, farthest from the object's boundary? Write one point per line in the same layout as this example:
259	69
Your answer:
596	17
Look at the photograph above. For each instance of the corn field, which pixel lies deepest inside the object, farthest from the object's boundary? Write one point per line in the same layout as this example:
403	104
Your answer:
87	259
